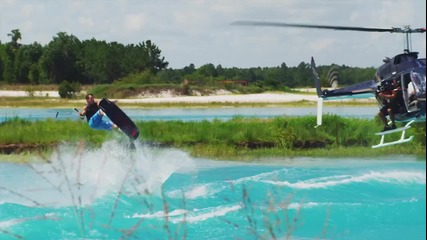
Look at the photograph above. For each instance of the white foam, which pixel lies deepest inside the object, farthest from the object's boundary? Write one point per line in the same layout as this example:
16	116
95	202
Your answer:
193	193
259	177
197	191
161	214
196	215
215	212
325	182
12	222
7	224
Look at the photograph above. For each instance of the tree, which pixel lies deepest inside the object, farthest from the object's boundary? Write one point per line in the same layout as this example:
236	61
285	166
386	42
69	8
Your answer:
207	70
302	76
170	76
115	61
26	60
219	70
7	56
60	59
67	89
94	61
2	55
15	37
190	69
274	77
154	62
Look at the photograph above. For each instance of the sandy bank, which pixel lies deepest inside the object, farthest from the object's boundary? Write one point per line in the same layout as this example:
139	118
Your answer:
241	98
8	93
265	98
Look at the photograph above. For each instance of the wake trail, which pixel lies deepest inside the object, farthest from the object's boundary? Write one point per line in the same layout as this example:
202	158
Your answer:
399	177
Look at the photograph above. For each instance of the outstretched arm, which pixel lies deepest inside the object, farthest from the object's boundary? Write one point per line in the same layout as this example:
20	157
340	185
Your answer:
81	113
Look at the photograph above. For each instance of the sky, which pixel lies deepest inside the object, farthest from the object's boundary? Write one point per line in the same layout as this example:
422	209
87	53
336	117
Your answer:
200	32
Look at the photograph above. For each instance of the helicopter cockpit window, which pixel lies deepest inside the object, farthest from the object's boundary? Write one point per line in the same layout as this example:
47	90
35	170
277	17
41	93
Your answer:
397	60
405	58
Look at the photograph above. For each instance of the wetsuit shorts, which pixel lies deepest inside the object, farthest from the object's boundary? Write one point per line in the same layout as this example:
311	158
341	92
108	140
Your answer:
96	122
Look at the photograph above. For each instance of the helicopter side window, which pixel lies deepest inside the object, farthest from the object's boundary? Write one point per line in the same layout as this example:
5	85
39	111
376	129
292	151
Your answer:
408	93
411	91
419	79
411	99
406	80
412	83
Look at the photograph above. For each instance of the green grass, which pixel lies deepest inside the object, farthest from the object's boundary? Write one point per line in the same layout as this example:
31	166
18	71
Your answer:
19	131
239	138
280	137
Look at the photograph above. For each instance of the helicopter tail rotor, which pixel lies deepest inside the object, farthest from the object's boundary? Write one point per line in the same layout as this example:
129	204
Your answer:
333	76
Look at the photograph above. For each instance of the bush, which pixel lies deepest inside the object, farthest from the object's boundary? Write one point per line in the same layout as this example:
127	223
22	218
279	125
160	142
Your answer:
68	90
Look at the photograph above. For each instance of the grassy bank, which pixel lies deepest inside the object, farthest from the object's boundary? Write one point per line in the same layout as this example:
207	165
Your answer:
243	138
240	138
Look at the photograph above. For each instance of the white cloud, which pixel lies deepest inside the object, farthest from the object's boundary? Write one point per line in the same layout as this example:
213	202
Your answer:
86	22
8	2
322	44
27	9
134	22
355	17
77	5
199	31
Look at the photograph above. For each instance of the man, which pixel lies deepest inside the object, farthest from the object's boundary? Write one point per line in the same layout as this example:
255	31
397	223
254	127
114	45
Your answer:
94	115
391	95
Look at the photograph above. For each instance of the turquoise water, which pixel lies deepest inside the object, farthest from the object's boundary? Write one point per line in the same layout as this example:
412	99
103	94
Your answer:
150	193
193	114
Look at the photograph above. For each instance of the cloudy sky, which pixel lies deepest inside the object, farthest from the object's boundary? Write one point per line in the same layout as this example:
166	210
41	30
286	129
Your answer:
200	31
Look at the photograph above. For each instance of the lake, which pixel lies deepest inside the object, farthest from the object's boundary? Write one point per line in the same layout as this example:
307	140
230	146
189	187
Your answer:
150	193
193	114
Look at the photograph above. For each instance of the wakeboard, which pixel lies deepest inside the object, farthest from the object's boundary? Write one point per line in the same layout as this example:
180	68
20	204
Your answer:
118	117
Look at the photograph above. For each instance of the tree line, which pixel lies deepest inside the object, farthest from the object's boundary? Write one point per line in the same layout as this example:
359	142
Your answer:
66	58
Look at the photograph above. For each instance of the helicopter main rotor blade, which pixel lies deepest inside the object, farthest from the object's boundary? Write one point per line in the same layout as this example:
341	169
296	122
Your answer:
342	28
420	30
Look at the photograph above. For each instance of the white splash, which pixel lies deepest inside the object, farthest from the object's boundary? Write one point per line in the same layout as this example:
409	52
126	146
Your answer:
77	176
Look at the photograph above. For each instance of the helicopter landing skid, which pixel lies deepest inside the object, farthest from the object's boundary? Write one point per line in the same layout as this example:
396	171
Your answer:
400	141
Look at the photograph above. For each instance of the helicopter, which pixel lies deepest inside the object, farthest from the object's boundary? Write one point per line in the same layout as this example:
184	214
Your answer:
404	71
